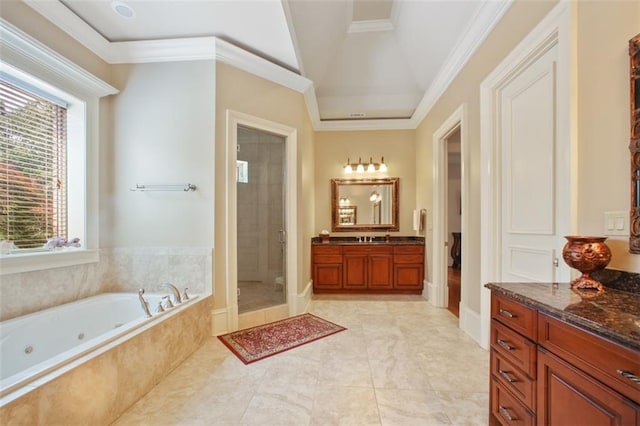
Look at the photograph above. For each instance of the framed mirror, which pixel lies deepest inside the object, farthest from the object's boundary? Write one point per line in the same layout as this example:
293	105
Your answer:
634	144
364	205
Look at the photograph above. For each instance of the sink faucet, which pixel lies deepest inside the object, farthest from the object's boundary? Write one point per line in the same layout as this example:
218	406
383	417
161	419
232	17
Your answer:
176	293
144	303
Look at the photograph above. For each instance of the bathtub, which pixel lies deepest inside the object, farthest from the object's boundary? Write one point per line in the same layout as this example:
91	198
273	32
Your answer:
38	347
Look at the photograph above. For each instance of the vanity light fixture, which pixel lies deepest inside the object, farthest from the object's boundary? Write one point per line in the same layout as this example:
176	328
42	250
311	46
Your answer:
383	167
369	167
348	169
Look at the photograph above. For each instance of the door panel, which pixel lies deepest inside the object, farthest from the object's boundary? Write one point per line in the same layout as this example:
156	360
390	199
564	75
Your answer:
534	184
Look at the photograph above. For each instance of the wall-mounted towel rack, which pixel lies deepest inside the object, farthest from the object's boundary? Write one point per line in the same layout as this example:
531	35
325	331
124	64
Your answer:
182	187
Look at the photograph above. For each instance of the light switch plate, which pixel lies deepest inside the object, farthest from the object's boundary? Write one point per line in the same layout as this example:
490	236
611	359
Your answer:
616	223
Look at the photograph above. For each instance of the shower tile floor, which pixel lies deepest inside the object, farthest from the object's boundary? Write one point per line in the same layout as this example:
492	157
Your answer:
256	295
401	362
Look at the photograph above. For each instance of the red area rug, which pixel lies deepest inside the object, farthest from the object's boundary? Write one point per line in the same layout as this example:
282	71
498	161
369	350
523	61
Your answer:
256	343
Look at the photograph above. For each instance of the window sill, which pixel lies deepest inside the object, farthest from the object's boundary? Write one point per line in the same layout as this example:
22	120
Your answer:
25	262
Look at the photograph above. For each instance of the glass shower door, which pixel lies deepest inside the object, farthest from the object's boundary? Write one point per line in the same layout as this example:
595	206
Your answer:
261	250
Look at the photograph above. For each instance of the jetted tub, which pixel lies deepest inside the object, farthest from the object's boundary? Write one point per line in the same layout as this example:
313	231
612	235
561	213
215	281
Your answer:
45	342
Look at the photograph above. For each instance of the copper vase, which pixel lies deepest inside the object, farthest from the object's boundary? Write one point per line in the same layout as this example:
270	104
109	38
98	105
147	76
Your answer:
587	255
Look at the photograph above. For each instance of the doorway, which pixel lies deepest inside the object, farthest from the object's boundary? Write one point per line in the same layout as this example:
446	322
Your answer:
450	216
261	249
454	220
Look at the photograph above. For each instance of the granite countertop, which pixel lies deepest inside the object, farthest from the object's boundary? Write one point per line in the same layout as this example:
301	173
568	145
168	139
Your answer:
349	241
612	313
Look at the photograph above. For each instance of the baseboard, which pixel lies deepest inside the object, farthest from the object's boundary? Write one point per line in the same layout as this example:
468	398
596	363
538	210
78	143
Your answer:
303	300
219	321
430	289
470	322
425	289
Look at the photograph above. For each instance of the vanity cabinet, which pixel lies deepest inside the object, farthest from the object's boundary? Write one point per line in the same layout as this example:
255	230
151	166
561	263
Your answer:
547	371
512	363
367	268
408	267
327	267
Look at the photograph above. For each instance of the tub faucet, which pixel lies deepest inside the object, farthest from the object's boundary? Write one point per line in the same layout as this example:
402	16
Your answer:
176	293
144	303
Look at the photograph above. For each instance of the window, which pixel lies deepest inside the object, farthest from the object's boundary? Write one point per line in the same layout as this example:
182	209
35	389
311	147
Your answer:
56	103
33	164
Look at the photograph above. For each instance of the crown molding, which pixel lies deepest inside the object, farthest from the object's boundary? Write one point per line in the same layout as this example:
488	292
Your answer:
20	49
70	23
212	48
486	18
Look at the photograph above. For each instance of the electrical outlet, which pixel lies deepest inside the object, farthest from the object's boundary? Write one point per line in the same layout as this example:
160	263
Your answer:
616	223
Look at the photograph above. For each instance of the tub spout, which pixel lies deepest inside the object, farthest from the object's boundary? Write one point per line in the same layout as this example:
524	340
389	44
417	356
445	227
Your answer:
144	303
176	293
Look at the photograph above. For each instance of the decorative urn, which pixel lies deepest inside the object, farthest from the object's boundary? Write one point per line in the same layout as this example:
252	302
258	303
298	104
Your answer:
587	254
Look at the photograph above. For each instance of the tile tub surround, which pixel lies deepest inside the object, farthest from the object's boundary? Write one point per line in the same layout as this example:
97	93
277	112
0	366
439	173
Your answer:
119	270
612	314
99	390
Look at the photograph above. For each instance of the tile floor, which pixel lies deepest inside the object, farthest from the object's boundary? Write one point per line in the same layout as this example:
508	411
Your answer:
401	362
256	295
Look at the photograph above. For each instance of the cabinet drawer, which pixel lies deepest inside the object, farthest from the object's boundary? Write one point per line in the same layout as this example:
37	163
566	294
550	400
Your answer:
603	359
512	378
367	249
327	258
514	347
326	249
507	409
514	315
407	249
408	258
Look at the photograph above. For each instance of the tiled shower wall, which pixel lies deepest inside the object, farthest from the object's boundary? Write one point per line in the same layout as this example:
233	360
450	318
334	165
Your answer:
119	270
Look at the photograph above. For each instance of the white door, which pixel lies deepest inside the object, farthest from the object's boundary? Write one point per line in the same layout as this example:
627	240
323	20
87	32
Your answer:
534	188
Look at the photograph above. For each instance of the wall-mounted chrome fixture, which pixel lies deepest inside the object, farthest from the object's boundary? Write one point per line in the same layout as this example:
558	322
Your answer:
142	187
369	167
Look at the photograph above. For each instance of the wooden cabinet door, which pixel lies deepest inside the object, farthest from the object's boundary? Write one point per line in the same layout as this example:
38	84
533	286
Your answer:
408	276
568	396
380	272
355	271
327	276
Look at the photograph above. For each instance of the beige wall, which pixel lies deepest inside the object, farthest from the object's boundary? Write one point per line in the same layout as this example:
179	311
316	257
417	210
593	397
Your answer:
603	32
330	155
246	93
518	21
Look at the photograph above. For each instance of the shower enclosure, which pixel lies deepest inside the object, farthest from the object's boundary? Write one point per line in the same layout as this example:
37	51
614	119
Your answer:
260	209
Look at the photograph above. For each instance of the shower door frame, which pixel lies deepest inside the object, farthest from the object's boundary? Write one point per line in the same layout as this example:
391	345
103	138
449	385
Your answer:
233	120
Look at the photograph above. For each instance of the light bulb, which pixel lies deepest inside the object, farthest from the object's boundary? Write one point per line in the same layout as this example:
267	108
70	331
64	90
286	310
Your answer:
371	168
348	169
360	168
383	167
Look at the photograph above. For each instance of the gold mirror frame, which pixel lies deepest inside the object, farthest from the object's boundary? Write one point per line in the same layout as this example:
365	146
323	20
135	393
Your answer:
337	221
634	145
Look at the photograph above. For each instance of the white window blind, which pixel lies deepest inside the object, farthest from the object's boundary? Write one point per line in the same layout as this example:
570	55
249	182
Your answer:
33	182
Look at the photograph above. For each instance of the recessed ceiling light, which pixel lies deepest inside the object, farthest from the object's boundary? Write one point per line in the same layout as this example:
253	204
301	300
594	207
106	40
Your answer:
123	9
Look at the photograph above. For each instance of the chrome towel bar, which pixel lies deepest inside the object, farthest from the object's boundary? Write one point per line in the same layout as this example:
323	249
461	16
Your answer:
184	187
